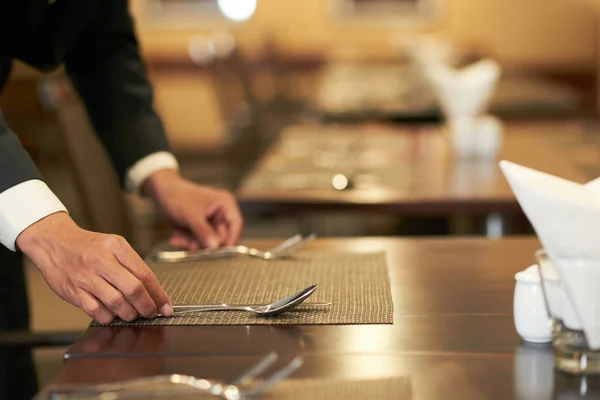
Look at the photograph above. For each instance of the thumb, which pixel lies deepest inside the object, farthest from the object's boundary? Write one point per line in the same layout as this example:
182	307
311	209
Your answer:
181	239
205	234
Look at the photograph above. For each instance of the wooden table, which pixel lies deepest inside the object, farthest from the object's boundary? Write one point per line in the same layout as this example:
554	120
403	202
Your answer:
424	178
354	91
453	334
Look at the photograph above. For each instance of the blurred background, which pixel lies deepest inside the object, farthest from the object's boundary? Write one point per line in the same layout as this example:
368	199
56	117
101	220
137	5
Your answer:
321	116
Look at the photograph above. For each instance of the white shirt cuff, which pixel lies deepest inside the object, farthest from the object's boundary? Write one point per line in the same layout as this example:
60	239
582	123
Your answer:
141	170
22	205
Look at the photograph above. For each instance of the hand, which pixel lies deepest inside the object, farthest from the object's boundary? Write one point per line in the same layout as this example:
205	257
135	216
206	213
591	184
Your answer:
101	274
202	216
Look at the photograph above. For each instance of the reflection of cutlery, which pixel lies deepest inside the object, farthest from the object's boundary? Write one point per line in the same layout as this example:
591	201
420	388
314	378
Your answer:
275	308
245	386
283	250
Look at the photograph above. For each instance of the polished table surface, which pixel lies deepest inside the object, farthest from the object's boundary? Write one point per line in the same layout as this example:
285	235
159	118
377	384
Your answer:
423	176
353	91
453	334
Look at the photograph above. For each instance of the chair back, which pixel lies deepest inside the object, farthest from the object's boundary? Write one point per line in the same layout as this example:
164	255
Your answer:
239	107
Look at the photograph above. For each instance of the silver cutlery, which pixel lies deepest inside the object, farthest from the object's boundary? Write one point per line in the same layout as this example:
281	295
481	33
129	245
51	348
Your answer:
246	386
283	250
272	309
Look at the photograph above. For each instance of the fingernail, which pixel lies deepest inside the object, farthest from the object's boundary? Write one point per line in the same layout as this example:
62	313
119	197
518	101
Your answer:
212	243
166	310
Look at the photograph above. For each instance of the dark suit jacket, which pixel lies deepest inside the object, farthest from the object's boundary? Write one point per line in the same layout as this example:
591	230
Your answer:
96	42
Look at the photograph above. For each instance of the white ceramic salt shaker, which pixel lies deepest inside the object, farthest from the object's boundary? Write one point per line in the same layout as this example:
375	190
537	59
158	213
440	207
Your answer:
531	316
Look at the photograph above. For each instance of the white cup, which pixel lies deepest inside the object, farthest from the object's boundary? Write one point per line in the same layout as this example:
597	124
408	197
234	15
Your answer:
532	321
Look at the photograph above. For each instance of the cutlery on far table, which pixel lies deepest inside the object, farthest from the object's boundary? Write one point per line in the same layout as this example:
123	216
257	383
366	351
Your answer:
285	249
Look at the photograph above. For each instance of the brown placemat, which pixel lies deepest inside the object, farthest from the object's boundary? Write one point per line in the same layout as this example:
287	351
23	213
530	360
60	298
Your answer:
357	285
332	389
397	388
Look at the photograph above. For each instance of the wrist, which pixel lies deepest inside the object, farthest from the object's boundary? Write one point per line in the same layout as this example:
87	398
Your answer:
159	182
138	173
38	235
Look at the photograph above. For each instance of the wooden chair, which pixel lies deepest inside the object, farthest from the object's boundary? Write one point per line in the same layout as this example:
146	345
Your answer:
247	128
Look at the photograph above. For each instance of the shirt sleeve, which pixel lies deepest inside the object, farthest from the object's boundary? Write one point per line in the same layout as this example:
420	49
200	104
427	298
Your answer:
22	205
24	197
145	167
107	71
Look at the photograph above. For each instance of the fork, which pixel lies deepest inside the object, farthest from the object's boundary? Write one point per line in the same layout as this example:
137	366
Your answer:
283	250
240	388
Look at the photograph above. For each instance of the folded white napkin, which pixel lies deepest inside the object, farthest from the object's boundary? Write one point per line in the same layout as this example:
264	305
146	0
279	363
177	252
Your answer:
465	92
566	218
426	50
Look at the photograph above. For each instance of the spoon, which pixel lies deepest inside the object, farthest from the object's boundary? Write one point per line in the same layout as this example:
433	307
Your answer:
275	308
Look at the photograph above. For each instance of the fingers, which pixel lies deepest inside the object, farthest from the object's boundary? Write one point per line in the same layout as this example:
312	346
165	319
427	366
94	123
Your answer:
179	242
222	232
205	233
217	222
183	240
92	307
223	223
131	289
111	298
234	223
158	301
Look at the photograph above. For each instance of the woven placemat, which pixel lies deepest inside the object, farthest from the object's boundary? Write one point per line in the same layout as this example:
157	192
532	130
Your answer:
397	388
330	389
357	285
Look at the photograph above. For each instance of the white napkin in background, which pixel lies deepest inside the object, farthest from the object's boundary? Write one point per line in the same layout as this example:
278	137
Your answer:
465	92
426	50
566	218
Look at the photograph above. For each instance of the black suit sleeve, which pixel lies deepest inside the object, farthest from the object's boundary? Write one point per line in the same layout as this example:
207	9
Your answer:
15	164
106	69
